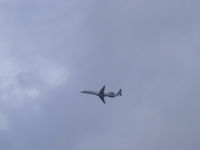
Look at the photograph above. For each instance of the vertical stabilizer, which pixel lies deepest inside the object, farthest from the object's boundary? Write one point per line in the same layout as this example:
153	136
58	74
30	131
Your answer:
120	92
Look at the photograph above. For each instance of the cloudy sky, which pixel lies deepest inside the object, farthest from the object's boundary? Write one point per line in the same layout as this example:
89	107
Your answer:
50	50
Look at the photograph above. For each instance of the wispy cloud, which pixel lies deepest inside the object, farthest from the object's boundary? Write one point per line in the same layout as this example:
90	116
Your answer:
19	82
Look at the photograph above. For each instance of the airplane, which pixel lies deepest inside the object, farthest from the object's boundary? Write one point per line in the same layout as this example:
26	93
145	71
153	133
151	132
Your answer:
102	94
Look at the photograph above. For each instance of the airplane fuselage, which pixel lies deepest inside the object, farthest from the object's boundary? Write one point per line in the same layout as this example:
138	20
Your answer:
109	94
103	94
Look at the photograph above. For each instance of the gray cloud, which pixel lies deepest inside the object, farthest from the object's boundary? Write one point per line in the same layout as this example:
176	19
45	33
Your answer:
52	50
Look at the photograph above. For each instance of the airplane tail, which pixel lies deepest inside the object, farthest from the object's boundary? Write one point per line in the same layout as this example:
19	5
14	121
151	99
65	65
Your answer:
120	92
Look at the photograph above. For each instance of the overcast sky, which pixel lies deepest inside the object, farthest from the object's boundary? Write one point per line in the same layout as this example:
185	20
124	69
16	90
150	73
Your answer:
50	50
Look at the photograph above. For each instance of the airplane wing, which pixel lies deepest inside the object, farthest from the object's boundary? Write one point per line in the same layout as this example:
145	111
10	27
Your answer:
102	98
101	92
